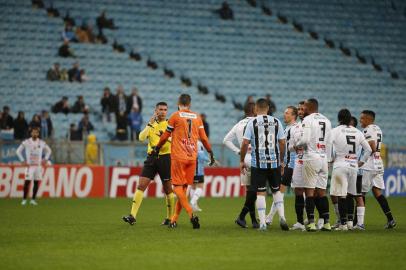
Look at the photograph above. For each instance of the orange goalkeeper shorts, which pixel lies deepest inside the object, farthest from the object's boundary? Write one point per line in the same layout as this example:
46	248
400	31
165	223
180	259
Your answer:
183	172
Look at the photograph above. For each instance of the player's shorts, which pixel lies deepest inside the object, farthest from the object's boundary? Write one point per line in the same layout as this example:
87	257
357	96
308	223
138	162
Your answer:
199	179
343	181
259	178
372	179
315	173
297	177
287	177
183	172
33	173
154	166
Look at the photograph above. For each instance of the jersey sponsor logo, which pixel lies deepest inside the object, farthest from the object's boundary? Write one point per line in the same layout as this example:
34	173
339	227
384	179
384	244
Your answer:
188	115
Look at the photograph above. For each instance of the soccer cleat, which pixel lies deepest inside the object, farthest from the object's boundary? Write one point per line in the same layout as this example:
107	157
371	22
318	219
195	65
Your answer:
342	228
195	222
129	219
391	224
311	227
320	224
255	224
241	222
326	227
23	202
196	208
283	224
350	225
359	227
336	225
268	220
298	227
33	202
262	228
173	225
166	222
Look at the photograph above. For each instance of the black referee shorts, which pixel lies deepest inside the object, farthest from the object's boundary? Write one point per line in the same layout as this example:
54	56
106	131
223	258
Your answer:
161	166
287	177
259	178
199	179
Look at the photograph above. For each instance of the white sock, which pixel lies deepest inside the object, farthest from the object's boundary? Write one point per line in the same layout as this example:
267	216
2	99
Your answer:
191	193
278	201
261	208
360	215
272	212
337	211
196	195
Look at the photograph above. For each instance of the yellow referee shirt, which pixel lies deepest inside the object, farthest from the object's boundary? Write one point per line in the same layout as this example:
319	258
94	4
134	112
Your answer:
153	133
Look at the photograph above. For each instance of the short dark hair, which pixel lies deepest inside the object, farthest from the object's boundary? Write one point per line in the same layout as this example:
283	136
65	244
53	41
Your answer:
302	102
35	128
314	102
370	113
344	117
161	103
249	108
262	103
185	99
355	121
294	110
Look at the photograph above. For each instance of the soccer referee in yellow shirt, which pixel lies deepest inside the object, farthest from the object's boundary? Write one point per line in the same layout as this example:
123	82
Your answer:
153	165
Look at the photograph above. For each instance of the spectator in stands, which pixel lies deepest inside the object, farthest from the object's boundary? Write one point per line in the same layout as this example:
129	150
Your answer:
120	100
225	12
101	38
272	106
84	33
121	129
250	99
35	122
46	125
107	103
92	150
52	12
134	101
103	22
65	50
37	4
68	19
135	122
79	106
74	73
7	121
61	106
54	73
83	76
20	127
118	47
85	126
205	124
74	134
68	34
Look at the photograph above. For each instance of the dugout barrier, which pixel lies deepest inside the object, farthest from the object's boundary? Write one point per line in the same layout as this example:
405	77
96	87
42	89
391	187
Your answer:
80	181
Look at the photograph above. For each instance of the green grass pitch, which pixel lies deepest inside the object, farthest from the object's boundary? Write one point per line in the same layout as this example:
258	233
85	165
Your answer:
89	234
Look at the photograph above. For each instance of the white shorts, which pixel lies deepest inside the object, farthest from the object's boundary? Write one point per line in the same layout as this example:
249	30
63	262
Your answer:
246	178
315	173
297	177
343	181
372	179
33	173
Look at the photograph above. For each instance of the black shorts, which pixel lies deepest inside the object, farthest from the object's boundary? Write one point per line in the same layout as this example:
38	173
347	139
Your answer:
359	184
287	177
199	179
161	166
259	178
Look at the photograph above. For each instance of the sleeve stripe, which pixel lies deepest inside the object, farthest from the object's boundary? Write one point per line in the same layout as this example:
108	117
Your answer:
169	128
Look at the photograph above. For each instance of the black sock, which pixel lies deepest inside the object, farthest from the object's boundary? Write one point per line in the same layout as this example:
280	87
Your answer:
310	209
318	205
299	204
355	216
383	202
249	201
35	190
26	188
350	207
342	208
325	211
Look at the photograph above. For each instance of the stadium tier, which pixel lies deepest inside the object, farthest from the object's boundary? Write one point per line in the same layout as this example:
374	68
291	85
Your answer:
254	54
